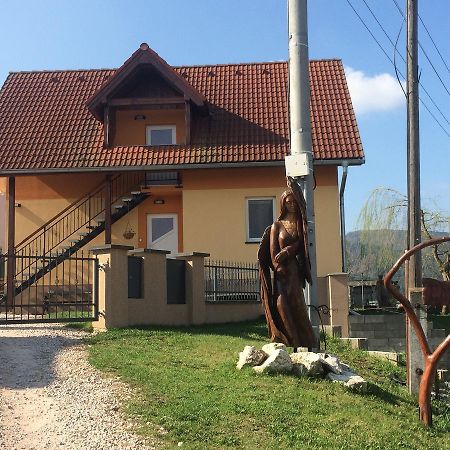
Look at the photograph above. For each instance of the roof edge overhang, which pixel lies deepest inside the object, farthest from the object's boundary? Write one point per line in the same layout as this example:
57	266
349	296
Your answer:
143	55
320	162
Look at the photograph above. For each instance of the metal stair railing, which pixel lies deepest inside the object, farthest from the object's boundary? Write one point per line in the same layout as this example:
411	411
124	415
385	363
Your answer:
83	214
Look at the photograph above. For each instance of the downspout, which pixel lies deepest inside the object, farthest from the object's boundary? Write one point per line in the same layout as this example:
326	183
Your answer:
342	214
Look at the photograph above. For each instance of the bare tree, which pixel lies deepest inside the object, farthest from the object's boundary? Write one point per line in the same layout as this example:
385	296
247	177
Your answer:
383	221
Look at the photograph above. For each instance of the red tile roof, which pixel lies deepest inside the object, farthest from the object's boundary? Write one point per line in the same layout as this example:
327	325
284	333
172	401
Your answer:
45	124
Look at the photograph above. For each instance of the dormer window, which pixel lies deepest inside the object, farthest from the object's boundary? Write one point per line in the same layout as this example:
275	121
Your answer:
161	135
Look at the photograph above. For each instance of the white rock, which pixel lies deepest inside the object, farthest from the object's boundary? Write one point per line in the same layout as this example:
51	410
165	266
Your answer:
278	362
273	347
251	356
311	362
331	363
350	380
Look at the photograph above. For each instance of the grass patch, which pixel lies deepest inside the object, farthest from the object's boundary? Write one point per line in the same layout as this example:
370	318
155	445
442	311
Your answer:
186	382
85	326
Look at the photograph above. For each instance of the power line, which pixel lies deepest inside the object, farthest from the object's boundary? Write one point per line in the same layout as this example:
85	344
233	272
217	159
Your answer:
434	44
429	35
392	62
421	47
396	51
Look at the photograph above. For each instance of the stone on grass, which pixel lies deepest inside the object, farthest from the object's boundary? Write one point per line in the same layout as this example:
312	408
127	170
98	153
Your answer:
307	363
251	356
273	347
331	363
278	362
350	380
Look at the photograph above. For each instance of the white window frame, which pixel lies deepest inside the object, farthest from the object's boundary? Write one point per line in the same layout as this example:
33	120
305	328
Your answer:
247	218
149	128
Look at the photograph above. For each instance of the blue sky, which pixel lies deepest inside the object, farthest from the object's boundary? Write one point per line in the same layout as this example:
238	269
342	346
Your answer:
66	34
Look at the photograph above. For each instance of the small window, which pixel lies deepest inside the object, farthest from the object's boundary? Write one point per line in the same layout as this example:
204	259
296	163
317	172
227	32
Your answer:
161	135
260	214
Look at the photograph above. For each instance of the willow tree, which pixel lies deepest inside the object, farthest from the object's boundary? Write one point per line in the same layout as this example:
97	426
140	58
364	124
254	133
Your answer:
383	236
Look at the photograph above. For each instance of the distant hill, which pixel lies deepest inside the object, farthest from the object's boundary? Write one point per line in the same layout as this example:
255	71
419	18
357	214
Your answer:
374	252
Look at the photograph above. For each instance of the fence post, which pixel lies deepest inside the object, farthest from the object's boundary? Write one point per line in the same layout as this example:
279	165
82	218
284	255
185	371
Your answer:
154	307
112	286
337	287
195	286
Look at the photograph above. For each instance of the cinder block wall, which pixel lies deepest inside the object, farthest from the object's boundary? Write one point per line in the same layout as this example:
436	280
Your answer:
386	332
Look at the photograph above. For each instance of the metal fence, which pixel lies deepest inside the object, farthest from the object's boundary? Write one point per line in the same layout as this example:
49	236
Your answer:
231	281
50	290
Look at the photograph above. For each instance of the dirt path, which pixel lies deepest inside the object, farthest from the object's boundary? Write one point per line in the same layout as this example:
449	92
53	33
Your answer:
51	398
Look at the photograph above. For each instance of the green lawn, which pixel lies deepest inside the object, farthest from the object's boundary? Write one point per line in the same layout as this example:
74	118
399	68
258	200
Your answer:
186	382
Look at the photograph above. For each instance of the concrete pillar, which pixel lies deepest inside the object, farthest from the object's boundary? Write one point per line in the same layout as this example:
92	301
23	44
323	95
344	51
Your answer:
414	358
11	260
195	286
112	286
108	206
337	284
154	309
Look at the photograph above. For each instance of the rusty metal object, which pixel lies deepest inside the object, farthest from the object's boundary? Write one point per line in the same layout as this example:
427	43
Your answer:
436	292
431	359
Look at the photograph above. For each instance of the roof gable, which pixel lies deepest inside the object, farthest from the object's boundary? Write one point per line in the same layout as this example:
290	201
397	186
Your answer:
163	79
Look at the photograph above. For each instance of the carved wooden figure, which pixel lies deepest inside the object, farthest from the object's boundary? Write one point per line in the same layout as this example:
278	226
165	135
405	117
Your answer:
284	251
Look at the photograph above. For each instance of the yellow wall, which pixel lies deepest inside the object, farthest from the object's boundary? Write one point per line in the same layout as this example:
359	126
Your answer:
42	197
215	219
211	209
133	132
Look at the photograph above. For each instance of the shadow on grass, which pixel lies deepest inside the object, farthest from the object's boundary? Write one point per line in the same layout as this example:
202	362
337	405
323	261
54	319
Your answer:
382	394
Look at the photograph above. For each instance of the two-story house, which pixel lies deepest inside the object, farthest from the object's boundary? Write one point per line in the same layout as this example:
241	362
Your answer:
178	158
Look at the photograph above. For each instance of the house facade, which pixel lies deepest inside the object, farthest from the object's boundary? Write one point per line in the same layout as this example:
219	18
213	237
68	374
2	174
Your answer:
176	158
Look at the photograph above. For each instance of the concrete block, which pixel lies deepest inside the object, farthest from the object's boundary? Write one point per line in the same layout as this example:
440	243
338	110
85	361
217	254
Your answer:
394	318
368	334
388	333
375	318
357	326
333	330
356	319
379	344
360	343
398	345
437	333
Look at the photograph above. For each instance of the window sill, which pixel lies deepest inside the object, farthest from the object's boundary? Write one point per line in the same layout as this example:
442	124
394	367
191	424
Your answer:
253	242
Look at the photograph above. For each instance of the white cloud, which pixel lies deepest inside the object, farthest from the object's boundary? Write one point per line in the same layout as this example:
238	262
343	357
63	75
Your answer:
377	93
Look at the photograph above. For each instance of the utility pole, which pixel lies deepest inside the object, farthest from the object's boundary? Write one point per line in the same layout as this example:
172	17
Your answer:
300	163
414	362
413	159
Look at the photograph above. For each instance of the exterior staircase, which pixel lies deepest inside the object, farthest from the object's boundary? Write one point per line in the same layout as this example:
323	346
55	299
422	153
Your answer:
72	228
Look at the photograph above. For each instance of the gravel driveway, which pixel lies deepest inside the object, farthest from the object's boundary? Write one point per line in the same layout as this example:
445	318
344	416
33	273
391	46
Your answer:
51	398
